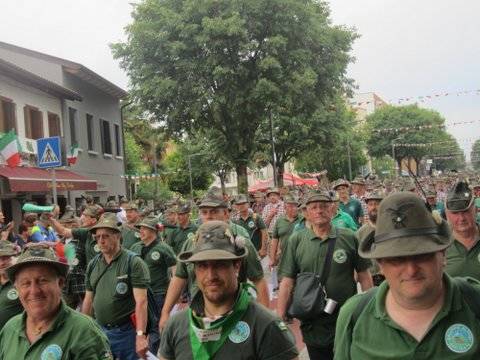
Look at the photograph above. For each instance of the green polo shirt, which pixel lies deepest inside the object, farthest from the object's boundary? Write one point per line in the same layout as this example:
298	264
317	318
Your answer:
453	334
463	262
72	336
305	252
251	266
345	221
258	335
130	236
168	232
282	230
254	225
84	236
159	257
353	208
113	299
179	235
10	304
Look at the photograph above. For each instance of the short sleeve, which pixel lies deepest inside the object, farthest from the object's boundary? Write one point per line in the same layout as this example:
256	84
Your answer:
167	350
288	267
140	275
80	234
277	343
96	346
360	263
260	223
169	256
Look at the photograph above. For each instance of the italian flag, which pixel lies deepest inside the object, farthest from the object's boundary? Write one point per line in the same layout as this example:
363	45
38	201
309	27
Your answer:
72	154
10	149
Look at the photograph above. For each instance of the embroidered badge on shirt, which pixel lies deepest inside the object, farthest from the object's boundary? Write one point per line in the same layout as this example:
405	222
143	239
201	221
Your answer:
155	255
121	288
251	224
459	338
12	294
96	248
340	256
52	352
240	332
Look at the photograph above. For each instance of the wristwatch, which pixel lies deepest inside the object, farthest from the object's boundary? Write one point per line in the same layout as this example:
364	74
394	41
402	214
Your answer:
140	333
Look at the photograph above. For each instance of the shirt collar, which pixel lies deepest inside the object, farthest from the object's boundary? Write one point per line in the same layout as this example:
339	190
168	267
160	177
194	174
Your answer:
331	235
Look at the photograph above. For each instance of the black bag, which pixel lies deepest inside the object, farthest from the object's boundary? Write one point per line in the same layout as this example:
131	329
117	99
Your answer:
309	296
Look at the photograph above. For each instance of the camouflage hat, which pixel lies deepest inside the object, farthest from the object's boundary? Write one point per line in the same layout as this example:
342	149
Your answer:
94	211
132	205
318	195
37	254
273	190
430	193
150	222
290	199
183	208
358	181
112	206
107	221
212	200
7	248
214	241
375	195
340	182
459	198
171	203
241	199
405	227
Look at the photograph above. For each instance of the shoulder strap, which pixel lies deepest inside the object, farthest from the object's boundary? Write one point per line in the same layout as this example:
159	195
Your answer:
90	268
364	300
328	260
470	295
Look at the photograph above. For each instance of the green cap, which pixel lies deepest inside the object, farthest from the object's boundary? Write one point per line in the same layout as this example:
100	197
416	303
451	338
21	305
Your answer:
94	211
37	254
459	198
290	199
318	195
273	190
340	182
7	248
358	181
404	227
183	208
150	222
132	205
375	195
241	199
430	193
212	200
107	221
214	241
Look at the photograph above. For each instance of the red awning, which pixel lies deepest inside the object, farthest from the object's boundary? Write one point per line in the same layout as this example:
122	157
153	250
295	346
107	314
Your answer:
36	179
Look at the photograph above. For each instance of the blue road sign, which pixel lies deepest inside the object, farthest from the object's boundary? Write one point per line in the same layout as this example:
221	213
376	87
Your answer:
49	154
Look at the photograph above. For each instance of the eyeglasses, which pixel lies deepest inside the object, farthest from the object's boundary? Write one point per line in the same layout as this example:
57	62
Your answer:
102	236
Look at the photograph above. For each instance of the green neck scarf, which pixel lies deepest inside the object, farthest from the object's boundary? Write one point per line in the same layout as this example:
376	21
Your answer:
206	342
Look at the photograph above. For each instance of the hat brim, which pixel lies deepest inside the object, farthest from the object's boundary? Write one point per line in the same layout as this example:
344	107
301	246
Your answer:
8	253
147	226
206	255
470	203
212	205
94	228
405	246
61	268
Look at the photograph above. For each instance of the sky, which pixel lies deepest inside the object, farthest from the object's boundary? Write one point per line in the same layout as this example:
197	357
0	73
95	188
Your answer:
406	48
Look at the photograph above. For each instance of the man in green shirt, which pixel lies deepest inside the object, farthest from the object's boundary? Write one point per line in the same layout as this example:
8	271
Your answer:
341	219
253	223
159	258
306	251
223	321
463	257
48	328
116	284
183	230
348	204
9	303
213	207
130	234
418	312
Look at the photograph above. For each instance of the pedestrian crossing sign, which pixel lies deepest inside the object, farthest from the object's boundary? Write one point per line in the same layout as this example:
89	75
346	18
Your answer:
49	154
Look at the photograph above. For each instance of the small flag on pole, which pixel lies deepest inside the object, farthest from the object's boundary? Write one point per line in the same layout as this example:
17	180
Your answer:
9	148
72	154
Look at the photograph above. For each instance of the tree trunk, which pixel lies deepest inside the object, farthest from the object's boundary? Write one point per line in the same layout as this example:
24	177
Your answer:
242	179
222	175
280	171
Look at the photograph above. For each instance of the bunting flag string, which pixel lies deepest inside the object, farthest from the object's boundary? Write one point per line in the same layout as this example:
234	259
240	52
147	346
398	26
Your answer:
423	127
433	143
422	99
139	176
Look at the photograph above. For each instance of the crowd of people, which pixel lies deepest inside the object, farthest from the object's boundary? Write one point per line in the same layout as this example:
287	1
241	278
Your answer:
371	269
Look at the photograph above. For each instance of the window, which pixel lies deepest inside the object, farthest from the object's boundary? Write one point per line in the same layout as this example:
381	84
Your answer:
7	115
90	132
117	140
33	122
72	116
53	125
105	134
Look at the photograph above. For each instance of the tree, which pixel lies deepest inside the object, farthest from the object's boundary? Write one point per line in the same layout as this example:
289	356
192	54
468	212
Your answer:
421	126
475	155
227	65
134	153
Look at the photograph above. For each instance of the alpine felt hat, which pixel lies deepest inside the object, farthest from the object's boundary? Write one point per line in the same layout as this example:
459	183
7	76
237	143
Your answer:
241	199
214	241
273	190
150	221
459	198
107	221
37	254
405	227
340	182
212	200
7	248
318	195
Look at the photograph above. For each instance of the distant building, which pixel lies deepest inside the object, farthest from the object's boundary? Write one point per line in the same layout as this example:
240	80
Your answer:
43	96
365	104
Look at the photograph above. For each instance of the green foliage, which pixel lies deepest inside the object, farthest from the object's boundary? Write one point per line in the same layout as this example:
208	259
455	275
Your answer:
134	154
383	166
146	190
475	155
380	143
225	66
